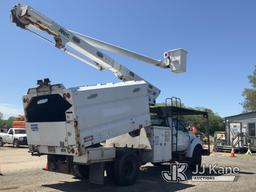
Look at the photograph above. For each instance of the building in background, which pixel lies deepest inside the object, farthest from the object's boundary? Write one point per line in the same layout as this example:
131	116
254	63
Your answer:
241	130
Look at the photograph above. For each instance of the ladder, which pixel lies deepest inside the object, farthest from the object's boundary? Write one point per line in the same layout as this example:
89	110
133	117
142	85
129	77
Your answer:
175	102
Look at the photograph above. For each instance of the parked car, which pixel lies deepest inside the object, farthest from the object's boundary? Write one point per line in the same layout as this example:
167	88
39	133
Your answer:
15	136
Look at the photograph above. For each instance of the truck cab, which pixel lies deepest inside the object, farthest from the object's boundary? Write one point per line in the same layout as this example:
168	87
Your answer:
186	146
15	136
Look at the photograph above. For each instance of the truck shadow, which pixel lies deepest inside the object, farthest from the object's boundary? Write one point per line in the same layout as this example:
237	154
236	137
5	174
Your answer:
149	179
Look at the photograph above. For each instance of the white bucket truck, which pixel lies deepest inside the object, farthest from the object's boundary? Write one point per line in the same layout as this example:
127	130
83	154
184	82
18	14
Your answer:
106	127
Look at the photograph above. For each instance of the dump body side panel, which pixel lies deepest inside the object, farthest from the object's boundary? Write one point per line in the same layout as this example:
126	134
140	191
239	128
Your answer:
107	111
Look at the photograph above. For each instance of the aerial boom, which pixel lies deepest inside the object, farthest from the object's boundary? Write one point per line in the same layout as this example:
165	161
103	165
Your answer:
85	48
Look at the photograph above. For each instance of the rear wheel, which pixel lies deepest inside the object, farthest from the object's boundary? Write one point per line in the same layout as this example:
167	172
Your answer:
16	143
81	171
1	142
126	168
196	159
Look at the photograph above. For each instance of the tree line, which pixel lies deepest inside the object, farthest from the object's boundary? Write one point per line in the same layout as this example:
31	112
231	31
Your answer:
6	123
249	94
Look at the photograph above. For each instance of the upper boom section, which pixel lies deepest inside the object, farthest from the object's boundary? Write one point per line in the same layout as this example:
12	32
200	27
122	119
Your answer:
83	47
176	66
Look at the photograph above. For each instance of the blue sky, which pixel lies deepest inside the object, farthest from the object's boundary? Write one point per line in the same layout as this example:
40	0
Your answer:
220	37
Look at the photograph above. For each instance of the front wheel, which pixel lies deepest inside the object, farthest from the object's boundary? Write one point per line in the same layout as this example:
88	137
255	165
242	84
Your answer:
1	142
81	172
16	143
196	159
126	168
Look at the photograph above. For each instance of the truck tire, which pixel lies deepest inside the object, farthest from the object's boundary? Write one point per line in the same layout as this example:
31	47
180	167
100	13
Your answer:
16	143
126	168
1	142
81	171
196	159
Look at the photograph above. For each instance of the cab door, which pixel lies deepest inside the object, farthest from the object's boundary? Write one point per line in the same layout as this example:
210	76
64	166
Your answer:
181	138
10	136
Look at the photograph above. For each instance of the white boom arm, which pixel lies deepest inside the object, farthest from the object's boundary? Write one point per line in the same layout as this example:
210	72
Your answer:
83	47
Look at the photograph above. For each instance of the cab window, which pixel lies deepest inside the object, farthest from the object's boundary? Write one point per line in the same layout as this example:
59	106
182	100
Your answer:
20	131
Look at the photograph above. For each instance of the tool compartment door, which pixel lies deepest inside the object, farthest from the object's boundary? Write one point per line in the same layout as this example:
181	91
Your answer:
162	144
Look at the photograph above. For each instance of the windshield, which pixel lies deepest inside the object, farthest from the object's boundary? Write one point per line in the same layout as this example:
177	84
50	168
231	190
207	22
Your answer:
20	131
179	124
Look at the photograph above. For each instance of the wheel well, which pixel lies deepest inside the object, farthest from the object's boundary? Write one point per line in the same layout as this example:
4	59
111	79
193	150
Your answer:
126	167
196	158
120	151
190	150
137	152
198	146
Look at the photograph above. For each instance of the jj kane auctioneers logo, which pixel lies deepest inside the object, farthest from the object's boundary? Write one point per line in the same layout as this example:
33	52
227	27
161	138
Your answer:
208	173
176	173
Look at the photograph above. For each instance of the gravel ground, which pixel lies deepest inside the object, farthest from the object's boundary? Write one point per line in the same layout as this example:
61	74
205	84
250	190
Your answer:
23	173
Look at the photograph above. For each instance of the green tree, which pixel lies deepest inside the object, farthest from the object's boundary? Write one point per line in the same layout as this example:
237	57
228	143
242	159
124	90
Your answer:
1	120
6	123
9	121
249	94
216	122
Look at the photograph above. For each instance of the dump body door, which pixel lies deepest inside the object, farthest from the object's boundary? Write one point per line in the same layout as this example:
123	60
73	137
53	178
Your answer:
48	134
46	117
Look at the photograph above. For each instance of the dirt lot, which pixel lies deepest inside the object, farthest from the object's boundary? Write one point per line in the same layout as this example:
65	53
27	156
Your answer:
21	172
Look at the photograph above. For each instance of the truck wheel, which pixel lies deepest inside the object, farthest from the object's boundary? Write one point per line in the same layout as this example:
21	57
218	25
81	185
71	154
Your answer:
16	143
196	159
81	172
126	168
1	142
